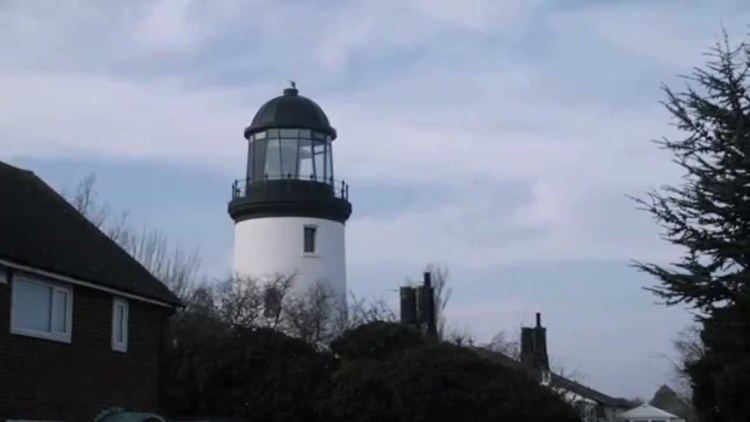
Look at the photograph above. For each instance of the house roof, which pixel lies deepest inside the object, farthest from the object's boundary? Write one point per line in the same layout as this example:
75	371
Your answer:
559	381
646	411
668	400
40	229
597	396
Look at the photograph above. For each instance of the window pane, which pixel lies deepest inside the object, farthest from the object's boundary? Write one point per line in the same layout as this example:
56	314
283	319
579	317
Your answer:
272	133
325	162
120	335
289	133
304	133
259	155
309	239
289	157
320	161
60	309
32	305
273	160
305	160
120	325
250	172
260	135
329	163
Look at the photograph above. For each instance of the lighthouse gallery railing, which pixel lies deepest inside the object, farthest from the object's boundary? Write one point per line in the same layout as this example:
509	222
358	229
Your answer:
241	187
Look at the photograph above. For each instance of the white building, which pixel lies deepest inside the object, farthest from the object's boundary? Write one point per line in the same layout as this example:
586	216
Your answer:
647	413
289	211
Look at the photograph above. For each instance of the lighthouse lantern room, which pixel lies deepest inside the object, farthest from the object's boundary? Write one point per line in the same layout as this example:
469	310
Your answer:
289	211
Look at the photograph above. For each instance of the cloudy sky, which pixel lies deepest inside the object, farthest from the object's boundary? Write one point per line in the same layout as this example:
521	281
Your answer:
497	138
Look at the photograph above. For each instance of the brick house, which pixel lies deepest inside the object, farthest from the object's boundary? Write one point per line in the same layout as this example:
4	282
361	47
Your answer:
82	324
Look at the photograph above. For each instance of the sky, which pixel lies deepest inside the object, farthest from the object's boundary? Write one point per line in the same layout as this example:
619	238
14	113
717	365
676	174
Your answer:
499	139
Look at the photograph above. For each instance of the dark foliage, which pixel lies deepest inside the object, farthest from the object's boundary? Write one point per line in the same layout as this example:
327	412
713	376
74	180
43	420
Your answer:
440	382
721	378
259	374
709	216
382	372
376	340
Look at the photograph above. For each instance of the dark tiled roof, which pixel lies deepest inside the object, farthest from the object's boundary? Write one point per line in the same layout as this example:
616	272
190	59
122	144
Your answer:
580	389
558	381
666	399
40	229
500	358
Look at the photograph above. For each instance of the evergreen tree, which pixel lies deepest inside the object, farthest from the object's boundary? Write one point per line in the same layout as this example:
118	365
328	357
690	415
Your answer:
709	216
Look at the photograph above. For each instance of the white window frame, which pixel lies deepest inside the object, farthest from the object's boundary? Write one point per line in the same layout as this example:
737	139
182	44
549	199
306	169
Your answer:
120	346
56	287
546	378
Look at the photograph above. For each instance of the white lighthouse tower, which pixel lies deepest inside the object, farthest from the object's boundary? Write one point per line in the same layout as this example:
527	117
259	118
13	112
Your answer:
289	211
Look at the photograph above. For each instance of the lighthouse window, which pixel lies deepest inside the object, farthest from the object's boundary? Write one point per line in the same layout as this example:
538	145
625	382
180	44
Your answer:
250	161
289	158
290	154
329	163
259	154
273	160
289	133
309	246
306	169
320	165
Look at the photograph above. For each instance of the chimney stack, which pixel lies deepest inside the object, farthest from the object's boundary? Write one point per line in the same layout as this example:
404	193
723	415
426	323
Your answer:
534	346
418	306
408	305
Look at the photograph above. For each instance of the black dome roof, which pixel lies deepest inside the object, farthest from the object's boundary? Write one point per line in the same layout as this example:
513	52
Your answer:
290	111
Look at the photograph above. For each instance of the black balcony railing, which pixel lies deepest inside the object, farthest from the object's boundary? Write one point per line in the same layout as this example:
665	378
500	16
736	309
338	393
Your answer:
242	187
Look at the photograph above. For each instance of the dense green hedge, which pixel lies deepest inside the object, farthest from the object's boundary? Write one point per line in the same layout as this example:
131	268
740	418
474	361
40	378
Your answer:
377	372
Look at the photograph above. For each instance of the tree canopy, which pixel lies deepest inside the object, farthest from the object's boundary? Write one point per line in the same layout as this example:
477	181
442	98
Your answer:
434	381
708	215
379	371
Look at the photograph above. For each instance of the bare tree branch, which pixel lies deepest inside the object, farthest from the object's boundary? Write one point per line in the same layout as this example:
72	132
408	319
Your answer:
178	268
509	345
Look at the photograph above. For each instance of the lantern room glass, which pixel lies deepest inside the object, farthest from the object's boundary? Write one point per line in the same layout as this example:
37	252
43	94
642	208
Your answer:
300	154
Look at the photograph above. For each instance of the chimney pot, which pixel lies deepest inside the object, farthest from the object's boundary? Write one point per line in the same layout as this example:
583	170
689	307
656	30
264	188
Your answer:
427	279
538	319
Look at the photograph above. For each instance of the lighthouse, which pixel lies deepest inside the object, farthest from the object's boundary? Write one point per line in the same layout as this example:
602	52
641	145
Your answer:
289	210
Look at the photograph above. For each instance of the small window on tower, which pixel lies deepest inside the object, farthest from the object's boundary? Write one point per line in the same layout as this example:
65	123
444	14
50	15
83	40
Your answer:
310	239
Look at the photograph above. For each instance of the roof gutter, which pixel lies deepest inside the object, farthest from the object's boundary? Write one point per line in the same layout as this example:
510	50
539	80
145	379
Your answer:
60	277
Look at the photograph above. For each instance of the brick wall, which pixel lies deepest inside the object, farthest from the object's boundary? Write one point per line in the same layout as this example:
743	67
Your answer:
48	380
